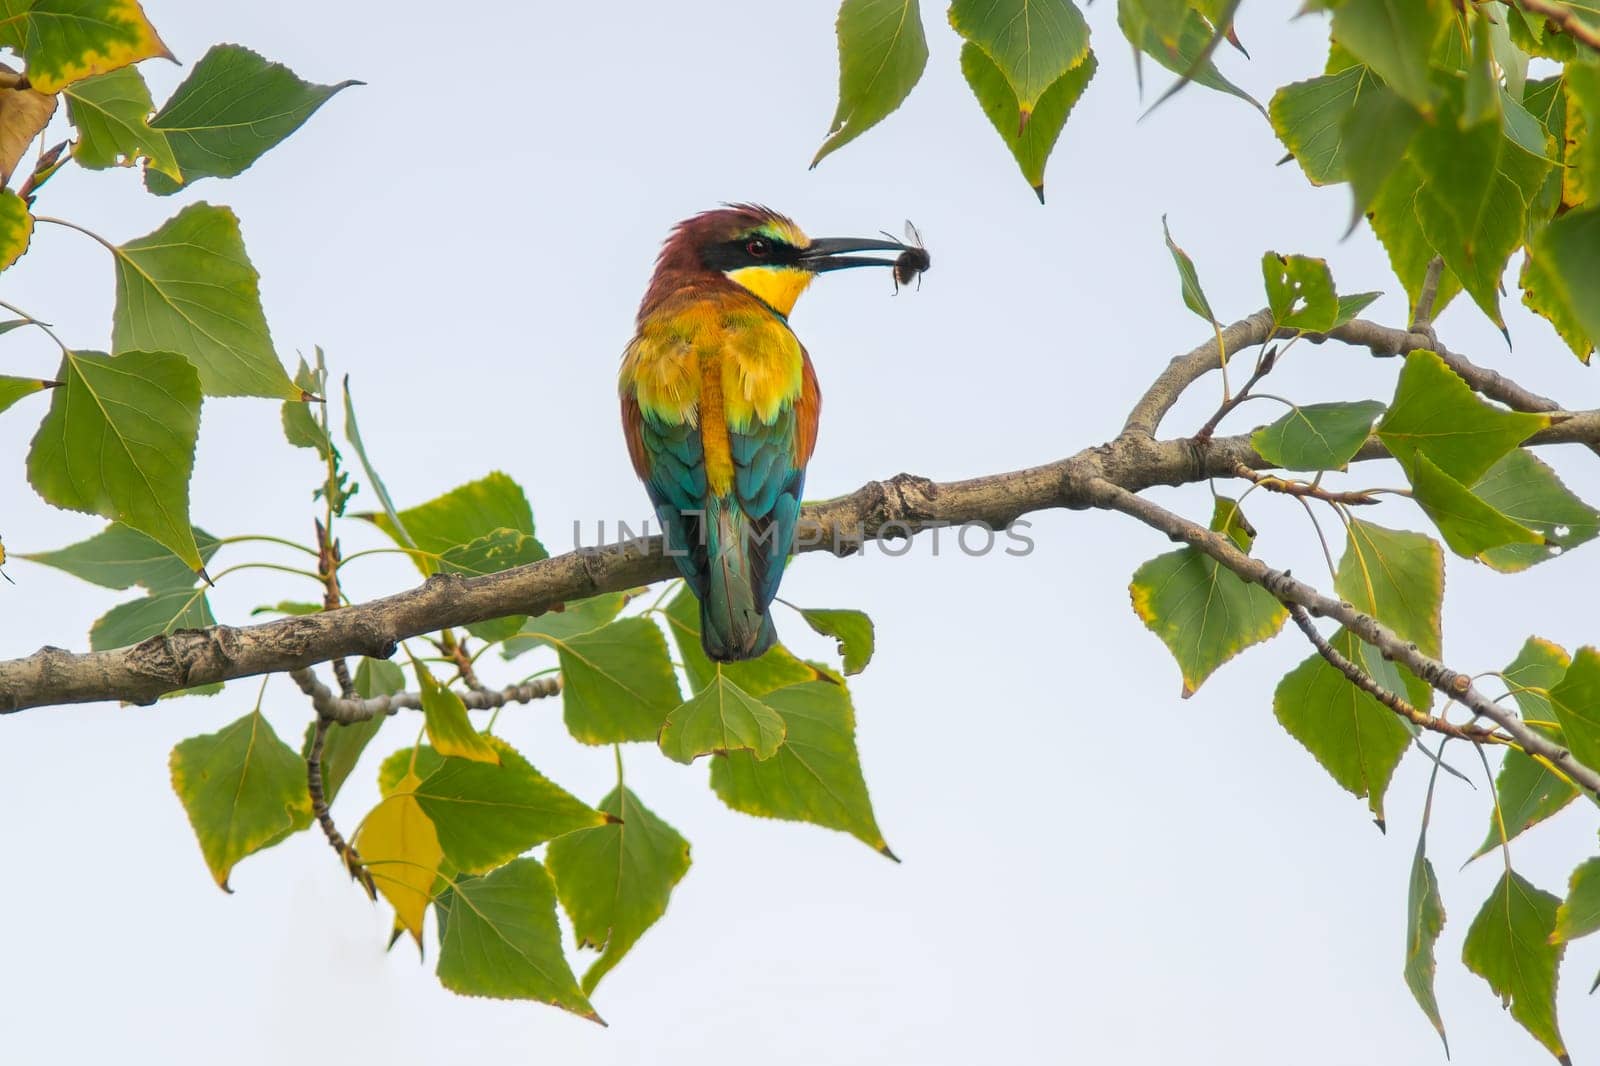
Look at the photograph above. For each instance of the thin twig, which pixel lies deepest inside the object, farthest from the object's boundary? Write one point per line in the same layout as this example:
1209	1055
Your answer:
319	806
1422	317
1264	367
1304	489
328	559
348	711
1364	681
456	651
328	569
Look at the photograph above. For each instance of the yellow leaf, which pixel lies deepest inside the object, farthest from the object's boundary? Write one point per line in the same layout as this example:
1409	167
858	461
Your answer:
23	113
401	850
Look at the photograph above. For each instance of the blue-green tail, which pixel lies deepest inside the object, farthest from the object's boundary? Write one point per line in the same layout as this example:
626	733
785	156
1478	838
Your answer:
734	623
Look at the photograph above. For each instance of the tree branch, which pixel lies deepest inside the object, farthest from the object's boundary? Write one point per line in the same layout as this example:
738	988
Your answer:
1291	591
898	507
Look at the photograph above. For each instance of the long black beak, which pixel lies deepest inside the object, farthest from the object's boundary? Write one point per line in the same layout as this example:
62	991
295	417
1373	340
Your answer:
831	253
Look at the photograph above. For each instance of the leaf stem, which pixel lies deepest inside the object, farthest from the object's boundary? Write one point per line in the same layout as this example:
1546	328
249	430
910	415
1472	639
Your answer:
268	566
81	229
265	539
14	309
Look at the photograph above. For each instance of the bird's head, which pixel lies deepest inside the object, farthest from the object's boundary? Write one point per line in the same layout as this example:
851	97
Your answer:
764	252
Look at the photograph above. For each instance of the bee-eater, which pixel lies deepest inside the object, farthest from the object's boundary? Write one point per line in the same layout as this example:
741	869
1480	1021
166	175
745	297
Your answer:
720	406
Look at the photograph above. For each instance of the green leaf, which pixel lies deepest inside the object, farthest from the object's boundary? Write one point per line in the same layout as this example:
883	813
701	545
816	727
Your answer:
1396	39
775	669
1352	305
352	433
1472	204
13	389
1579	914
1318	436
852	629
1509	946
1164	17
1300	292
118	441
243	789
1569	249
1228	519
1513	60
300	425
718	719
65	40
1355	738
378	677
1527	792
445	717
1481	101
1470	526
498	550
882	53
1576	702
502	940
233	106
815	776
111	113
16	227
1033	43
1194	297
1521	487
162	612
119	557
615	880
1435	413
1203	613
1376	132
1030	141
574	617
1309	118
1424	921
1393	215
617	682
487	813
458	518
189	288
1545	293
1184	57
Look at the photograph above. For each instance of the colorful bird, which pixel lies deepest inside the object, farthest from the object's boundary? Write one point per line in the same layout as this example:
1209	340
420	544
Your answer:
720	406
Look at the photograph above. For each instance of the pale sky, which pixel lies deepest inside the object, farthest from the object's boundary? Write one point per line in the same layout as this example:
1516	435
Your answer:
1094	870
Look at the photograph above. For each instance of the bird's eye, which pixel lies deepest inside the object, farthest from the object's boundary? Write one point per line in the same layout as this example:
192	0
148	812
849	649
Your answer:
759	247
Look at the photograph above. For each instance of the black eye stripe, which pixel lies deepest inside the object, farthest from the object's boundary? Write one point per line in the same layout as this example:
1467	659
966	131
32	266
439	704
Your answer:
734	254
